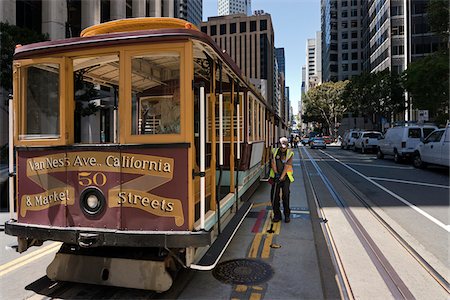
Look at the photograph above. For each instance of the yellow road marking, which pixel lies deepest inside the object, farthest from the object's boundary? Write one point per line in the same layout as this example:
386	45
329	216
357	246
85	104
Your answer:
241	288
255	245
261	204
255	296
266	248
277	227
26	259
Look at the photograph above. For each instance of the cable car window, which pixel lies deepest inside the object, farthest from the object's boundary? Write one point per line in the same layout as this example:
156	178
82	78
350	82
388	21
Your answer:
41	108
155	85
96	90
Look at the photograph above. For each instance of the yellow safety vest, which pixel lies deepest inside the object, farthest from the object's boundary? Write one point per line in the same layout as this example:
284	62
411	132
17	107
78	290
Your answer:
290	170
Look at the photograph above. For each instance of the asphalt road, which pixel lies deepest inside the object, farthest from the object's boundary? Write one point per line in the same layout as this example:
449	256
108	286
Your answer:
413	201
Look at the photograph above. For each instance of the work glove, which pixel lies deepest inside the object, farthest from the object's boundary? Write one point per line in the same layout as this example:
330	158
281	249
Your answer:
277	177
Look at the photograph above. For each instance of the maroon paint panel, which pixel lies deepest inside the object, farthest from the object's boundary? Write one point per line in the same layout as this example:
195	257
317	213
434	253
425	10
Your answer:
35	188
177	188
109	217
139	199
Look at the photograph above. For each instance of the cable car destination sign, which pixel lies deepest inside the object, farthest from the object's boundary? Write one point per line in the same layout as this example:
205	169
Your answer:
141	174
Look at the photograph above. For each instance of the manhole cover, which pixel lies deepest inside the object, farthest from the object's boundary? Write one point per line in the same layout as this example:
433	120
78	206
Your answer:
243	271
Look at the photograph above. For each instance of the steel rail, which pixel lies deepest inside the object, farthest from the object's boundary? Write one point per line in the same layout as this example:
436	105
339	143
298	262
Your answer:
342	280
391	278
425	265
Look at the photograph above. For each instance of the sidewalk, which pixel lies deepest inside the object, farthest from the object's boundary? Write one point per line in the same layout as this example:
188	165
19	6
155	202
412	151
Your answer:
294	264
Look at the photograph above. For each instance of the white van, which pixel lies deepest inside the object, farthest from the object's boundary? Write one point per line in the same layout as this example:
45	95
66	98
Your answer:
349	139
435	149
401	141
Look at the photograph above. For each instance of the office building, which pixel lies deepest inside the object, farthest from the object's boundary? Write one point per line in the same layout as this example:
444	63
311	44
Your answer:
249	40
67	18
342	35
190	10
279	54
283	90
313	67
231	7
396	40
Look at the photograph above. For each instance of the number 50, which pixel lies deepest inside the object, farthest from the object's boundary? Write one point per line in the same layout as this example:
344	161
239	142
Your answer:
86	179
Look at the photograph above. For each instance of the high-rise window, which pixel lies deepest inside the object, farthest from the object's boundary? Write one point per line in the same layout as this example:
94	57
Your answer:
213	30
232	28
243	27
263	25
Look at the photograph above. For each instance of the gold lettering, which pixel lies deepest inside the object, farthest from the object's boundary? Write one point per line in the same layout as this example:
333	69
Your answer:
122	198
154	204
153	165
145	202
167	168
169	207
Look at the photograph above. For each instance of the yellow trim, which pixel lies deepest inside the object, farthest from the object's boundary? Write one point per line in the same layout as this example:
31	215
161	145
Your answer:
136	24
232	139
20	100
212	101
189	128
125	104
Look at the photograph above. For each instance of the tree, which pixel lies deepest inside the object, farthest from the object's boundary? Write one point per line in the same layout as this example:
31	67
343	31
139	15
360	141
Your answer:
325	101
438	12
427	81
375	94
11	36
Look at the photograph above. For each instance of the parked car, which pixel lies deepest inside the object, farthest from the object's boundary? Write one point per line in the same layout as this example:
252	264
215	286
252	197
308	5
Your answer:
434	149
328	139
305	140
367	141
349	138
401	141
318	142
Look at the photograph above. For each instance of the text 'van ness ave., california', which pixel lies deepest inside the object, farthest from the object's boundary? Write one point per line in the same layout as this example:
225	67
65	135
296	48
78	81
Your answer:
99	160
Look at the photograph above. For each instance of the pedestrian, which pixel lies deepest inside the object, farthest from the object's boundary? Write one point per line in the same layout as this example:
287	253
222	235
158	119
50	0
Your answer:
281	173
297	140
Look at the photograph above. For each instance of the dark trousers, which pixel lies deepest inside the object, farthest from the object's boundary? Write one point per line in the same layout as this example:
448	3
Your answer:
285	193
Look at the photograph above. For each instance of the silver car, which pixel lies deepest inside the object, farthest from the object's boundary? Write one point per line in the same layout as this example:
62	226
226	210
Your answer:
318	142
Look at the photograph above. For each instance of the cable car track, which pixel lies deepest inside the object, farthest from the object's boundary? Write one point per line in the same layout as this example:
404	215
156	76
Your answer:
391	278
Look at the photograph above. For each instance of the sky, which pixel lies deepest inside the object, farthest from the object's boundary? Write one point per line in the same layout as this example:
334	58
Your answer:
294	21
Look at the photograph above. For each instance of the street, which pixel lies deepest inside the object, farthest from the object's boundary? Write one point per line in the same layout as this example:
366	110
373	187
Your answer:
397	237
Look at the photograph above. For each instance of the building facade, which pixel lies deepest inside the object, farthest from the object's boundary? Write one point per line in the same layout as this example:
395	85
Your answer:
249	40
281	86
399	34
342	36
313	66
67	18
231	7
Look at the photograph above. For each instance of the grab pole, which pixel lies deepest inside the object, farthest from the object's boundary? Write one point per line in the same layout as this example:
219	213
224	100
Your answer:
219	185
202	156
11	157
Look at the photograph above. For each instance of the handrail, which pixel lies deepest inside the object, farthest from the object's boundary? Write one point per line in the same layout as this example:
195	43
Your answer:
11	157
202	155
219	183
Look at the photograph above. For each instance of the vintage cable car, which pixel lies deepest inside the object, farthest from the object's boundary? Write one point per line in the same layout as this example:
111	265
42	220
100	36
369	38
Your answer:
137	146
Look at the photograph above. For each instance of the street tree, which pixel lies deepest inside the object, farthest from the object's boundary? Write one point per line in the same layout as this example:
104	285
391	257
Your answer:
427	81
375	94
325	101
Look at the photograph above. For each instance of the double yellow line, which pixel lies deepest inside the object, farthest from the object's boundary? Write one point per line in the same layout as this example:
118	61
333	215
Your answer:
28	258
